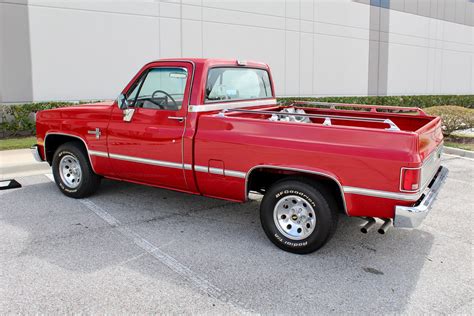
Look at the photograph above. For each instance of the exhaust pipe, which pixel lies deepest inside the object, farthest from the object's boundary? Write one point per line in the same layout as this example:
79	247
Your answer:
370	223
385	226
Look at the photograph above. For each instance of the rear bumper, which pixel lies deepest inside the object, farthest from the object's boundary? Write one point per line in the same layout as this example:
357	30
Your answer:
36	154
412	216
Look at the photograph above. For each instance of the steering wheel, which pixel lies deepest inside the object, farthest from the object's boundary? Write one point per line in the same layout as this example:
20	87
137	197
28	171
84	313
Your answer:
166	99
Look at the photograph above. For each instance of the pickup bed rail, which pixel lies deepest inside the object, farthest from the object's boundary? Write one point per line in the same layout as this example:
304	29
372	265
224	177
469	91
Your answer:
327	117
373	108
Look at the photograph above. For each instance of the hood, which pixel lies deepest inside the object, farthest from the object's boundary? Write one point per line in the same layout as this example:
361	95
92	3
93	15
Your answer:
89	106
87	111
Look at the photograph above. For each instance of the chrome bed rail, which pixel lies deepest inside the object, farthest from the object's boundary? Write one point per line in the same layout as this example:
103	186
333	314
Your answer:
327	117
372	108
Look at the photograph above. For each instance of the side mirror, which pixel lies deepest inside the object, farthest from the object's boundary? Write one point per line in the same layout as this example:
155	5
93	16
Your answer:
122	102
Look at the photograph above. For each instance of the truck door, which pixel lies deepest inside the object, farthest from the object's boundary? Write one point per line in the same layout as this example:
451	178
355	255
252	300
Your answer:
145	140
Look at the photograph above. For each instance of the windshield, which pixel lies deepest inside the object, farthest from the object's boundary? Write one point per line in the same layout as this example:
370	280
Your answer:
230	83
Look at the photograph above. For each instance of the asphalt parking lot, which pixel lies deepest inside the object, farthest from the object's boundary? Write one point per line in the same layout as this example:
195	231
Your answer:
132	248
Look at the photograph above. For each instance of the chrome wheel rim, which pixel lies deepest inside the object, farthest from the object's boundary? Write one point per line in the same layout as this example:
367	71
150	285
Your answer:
70	171
294	217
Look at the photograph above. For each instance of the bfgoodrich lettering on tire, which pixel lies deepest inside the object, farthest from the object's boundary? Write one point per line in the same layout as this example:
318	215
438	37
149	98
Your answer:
298	215
72	171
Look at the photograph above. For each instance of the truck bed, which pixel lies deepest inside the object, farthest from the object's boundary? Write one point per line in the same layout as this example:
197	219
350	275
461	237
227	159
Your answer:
392	119
360	152
346	115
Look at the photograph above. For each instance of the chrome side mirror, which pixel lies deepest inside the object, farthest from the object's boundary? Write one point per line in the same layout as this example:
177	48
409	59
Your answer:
123	105
128	114
122	102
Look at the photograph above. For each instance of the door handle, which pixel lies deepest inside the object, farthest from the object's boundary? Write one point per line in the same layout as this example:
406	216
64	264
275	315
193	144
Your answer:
176	118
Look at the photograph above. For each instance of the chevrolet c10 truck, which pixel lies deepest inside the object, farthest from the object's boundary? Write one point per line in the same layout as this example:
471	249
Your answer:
213	127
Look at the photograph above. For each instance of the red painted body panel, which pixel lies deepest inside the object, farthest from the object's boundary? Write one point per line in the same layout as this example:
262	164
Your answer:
150	135
355	154
356	157
77	121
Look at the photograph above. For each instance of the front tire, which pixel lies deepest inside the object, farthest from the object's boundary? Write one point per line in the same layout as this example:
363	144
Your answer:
298	215
73	172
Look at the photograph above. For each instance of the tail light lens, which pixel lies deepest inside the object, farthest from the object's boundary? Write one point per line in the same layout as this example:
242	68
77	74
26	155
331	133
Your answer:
410	180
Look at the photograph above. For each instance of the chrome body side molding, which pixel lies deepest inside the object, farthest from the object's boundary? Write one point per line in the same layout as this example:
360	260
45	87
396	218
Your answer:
230	105
147	161
382	194
200	168
236	174
220	171
98	153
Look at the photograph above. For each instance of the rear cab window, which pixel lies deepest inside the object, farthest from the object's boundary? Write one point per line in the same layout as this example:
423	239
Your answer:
233	83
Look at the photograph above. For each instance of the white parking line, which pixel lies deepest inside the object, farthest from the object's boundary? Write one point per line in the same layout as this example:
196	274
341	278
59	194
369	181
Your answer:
457	156
194	278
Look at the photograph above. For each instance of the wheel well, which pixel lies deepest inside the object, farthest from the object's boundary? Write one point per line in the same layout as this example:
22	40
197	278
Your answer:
261	179
53	142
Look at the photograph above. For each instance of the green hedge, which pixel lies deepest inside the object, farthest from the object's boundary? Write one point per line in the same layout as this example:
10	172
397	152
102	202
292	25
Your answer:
421	101
453	117
18	119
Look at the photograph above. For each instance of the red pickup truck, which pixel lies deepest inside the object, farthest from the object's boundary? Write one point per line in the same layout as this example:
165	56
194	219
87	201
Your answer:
213	127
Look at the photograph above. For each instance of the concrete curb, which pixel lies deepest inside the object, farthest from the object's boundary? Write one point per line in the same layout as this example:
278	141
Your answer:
459	152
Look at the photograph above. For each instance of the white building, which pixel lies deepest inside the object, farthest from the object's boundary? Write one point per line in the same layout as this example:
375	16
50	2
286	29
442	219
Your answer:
79	50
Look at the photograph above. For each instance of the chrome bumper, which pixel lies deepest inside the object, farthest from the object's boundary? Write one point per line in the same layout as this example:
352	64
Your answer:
412	216
35	151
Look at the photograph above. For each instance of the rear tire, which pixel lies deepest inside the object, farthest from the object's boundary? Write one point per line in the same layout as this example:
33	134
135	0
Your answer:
73	172
298	215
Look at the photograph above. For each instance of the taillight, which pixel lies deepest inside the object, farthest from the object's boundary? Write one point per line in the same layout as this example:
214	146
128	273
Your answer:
410	180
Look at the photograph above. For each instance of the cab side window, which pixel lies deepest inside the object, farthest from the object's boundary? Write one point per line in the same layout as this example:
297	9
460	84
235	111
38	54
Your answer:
160	89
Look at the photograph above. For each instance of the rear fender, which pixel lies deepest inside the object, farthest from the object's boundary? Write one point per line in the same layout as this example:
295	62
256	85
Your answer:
298	171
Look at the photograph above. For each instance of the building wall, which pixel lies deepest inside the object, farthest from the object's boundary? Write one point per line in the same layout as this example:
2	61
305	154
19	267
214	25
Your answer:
15	54
77	50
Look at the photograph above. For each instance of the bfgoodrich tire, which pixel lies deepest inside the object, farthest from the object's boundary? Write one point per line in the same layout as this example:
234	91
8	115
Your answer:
298	215
72	171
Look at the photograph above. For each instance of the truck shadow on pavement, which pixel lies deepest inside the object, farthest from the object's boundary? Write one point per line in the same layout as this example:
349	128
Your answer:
47	233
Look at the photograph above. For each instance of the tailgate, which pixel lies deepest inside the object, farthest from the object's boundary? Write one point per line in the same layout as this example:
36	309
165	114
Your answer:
430	148
430	137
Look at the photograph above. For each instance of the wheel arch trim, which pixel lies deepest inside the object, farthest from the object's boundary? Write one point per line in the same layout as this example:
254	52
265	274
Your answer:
69	135
319	173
